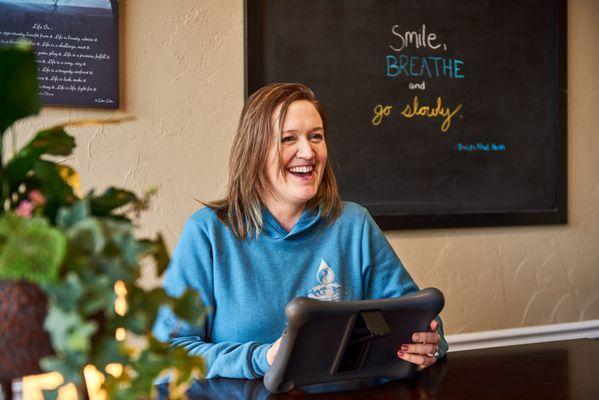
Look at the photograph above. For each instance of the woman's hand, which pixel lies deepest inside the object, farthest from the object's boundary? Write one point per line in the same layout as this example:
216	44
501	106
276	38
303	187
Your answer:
271	353
422	351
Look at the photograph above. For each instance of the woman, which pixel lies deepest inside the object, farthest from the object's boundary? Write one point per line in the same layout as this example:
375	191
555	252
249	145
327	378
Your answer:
280	232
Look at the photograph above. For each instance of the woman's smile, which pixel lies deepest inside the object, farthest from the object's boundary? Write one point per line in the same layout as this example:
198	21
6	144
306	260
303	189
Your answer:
302	172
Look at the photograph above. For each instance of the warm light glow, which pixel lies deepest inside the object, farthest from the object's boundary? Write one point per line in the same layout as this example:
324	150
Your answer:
120	334
34	384
114	369
120	303
94	380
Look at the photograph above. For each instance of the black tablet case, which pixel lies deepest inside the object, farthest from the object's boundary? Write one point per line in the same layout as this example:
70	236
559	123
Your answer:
343	341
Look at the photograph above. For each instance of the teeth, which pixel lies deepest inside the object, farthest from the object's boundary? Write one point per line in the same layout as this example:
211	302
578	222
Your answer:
303	170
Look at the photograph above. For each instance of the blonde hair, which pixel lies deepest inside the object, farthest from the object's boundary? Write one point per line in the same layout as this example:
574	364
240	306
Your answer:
241	209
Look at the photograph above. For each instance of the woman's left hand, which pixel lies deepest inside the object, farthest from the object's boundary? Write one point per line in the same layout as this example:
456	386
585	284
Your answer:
422	351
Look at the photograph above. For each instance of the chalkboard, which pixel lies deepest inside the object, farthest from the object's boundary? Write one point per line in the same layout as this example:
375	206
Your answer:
442	113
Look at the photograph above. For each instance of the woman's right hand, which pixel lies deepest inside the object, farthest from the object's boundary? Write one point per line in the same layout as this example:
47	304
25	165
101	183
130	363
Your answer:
271	353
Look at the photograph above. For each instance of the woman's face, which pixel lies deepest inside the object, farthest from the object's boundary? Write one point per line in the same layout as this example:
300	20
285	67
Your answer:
303	154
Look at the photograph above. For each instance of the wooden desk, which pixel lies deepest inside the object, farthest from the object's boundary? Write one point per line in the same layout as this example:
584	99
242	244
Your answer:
554	370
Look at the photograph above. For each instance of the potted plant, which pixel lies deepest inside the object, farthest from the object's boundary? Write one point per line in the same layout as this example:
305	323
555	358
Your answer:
70	264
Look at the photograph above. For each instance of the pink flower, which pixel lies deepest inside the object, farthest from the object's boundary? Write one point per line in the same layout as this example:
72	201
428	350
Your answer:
25	209
37	198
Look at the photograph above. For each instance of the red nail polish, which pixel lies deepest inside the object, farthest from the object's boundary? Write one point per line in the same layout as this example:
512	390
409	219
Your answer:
404	347
400	354
415	338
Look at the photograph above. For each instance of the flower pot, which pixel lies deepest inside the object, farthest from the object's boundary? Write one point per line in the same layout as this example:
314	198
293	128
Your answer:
23	340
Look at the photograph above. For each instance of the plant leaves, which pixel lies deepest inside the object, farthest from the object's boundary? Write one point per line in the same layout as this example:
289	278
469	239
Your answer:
33	250
58	193
71	178
99	295
134	322
189	307
108	351
68	216
53	141
157	249
68	331
68	292
69	367
18	85
116	269
88	235
111	199
127	246
50	394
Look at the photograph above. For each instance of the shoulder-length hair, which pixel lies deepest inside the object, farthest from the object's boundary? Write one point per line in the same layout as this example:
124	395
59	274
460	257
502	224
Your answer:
241	209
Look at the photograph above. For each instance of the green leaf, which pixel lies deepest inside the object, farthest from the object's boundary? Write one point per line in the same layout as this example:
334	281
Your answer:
79	338
58	192
69	332
68	292
50	394
111	199
154	299
157	249
53	141
68	216
18	85
99	294
88	235
189	307
134	322
108	351
69	366
127	246
116	268
33	250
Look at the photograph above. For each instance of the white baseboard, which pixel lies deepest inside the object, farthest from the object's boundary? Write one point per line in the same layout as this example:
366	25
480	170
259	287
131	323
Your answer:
515	336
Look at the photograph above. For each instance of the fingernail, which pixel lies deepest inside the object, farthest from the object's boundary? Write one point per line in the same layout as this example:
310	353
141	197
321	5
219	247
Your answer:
400	354
404	347
415	337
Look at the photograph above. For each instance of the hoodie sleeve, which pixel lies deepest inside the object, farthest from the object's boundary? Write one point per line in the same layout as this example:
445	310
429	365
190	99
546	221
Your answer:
383	274
191	267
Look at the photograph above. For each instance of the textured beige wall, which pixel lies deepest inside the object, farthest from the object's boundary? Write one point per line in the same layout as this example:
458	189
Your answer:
182	77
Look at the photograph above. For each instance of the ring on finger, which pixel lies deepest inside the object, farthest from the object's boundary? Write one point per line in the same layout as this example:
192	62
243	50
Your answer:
435	353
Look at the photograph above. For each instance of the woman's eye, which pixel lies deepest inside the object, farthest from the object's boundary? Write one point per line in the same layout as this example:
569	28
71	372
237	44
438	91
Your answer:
287	139
316	137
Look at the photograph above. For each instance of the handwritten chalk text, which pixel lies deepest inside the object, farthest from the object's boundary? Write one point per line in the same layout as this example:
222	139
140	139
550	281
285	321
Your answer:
415	109
380	111
427	67
416	39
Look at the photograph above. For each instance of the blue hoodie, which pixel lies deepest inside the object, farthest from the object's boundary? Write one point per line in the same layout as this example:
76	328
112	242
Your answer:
246	284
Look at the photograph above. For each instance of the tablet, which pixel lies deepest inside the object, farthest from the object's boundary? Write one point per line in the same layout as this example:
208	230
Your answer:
326	342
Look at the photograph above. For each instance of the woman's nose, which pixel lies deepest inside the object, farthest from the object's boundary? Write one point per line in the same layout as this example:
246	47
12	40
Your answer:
304	149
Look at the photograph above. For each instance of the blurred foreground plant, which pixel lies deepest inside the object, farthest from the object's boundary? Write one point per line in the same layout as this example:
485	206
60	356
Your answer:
83	253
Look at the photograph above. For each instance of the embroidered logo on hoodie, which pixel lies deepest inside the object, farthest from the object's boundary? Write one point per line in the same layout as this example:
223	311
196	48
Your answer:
327	290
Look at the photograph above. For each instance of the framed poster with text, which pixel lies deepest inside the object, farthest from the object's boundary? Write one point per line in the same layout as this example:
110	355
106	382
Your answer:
76	46
442	113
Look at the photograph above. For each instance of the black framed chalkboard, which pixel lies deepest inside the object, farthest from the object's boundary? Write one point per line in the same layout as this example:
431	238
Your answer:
442	112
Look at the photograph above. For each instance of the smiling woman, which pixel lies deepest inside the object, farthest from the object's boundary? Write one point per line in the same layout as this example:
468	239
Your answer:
282	126
296	161
280	232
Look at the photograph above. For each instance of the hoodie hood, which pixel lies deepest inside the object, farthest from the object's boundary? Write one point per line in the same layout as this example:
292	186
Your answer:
306	222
